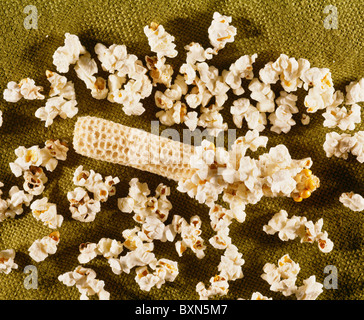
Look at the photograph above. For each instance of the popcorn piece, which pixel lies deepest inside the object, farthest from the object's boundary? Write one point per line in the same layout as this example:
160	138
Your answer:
34	180
160	72
46	212
259	296
242	109
85	281
310	289
262	93
60	86
165	270
355	92
160	41
352	200
230	270
241	69
85	69
108	248
112	58
282	278
13	206
95	183
212	119
338	145
342	118
41	248
143	205
26	157
190	234
68	54
12	92
289	229
7	261
220	31
29	90
56	106
82	207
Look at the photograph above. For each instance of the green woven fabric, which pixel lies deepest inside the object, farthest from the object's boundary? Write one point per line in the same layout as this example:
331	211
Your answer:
267	28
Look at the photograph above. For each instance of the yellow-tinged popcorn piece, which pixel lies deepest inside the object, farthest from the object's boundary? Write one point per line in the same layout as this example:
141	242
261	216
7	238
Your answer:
47	213
353	201
7	261
42	248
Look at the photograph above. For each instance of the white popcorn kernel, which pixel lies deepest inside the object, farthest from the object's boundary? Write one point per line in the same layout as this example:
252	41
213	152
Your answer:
160	41
310	289
112	58
145	279
88	251
211	119
82	207
46	212
242	109
231	263
220	31
85	281
262	93
42	248
29	90
7	263
26	157
68	54
282	278
17	198
109	248
219	287
355	92
281	120
342	118
57	148
60	86
353	201
338	145
56	106
242	68
160	72
12	92
34	180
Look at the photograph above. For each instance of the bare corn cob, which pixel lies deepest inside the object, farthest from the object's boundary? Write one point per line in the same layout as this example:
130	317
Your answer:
113	142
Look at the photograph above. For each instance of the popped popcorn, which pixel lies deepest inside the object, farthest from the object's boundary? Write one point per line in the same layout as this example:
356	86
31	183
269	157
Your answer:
108	248
243	109
42	248
60	86
355	92
310	289
160	72
26	157
13	206
82	207
190	234
230	270
165	270
143	205
7	262
56	106
263	94
338	145
85	281
220	31
86	68
352	200
342	118
282	278
101	188
291	228
46	212
242	68
12	92
29	90
305	119
68	54
160	41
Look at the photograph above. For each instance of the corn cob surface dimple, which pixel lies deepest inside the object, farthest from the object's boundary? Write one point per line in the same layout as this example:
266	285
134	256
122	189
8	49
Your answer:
113	142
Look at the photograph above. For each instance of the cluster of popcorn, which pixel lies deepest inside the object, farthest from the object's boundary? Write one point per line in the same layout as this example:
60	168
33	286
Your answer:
230	269
30	161
353	201
61	102
7	261
13	205
340	145
42	248
291	228
282	278
106	247
26	88
128	81
83	206
244	180
84	279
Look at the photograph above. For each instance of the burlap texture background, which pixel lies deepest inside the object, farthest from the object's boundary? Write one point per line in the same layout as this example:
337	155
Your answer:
268	28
